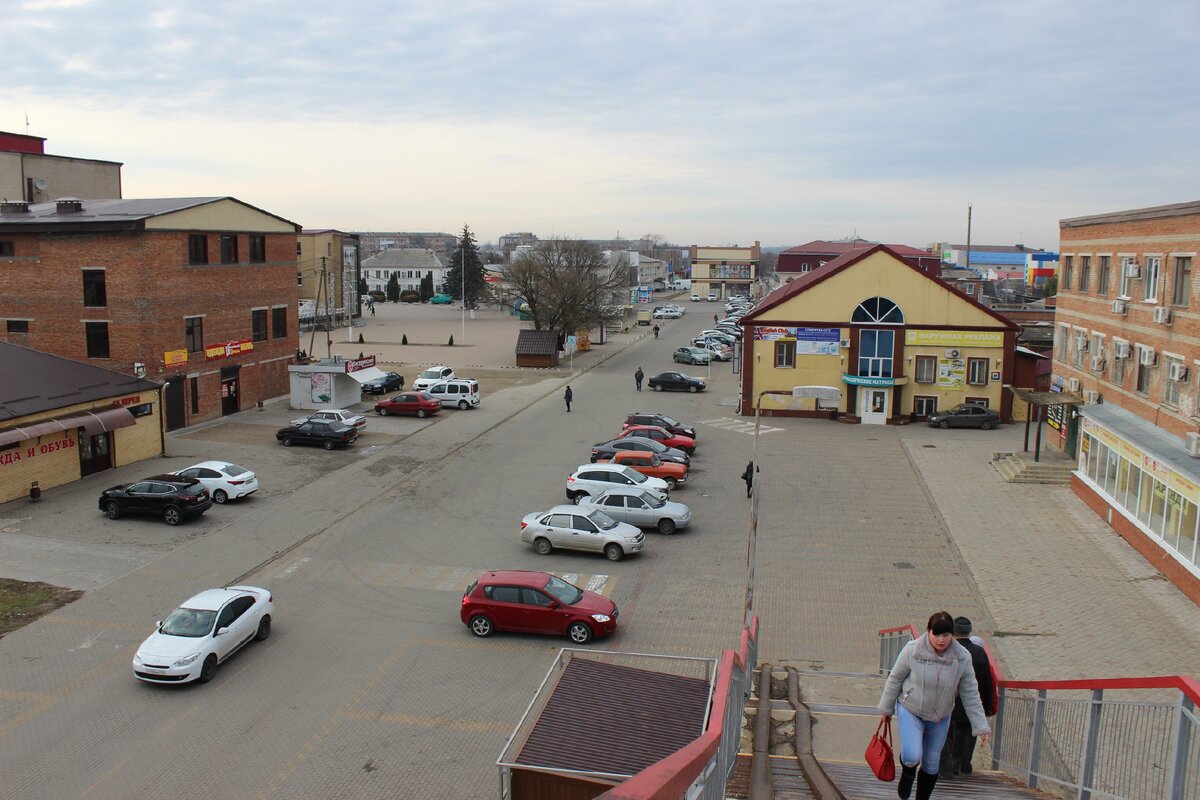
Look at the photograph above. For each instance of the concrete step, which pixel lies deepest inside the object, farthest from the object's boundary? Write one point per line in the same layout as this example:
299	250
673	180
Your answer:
1021	468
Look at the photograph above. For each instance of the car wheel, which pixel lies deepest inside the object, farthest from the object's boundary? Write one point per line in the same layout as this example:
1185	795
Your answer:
944	424
172	515
692	389
219	496
666	526
421	413
208	670
481	626
671	483
613	552
657	388
264	629
463	405
543	547
579	633
328	444
287	441
383	412
986	425
112	509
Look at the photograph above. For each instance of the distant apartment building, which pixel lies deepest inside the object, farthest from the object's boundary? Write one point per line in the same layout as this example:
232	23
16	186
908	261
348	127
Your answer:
811	255
509	242
723	271
197	293
1009	266
409	265
28	173
332	256
374	242
1127	342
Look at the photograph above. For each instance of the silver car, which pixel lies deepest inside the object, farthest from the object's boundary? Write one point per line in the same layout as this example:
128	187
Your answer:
569	527
641	508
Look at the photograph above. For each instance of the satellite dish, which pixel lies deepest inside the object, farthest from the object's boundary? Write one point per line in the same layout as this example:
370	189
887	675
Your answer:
39	184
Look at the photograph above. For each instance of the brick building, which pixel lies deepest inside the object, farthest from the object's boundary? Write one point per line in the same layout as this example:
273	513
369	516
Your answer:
807	257
1127	341
198	293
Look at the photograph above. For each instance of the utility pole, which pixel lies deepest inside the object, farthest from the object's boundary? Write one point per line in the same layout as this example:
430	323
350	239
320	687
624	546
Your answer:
328	324
968	236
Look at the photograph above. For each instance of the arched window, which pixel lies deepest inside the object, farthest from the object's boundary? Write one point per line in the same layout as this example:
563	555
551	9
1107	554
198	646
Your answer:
879	311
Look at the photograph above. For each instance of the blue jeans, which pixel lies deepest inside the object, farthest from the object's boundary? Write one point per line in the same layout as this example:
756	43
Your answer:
921	741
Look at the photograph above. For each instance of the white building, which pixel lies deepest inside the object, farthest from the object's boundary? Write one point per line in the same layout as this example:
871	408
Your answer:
409	265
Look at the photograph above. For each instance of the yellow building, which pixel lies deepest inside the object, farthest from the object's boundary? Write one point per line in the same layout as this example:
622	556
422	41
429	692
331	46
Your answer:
334	256
722	272
895	342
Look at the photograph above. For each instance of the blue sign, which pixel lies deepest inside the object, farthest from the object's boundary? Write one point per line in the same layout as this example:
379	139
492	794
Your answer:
818	334
1045	256
987	257
863	380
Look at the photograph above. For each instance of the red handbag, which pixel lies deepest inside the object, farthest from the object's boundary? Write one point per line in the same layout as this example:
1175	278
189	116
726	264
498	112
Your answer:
879	752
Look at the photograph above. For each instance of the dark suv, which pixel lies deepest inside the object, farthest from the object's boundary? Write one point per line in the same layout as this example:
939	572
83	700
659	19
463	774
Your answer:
661	420
326	434
171	497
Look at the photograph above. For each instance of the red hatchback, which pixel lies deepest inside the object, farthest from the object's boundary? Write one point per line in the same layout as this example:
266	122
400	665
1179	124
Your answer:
685	443
536	602
418	404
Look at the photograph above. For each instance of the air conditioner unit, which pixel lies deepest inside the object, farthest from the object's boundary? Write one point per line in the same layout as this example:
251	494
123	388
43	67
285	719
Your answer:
1191	444
1162	315
1146	357
952	353
1097	363
1072	384
1091	397
1177	372
845	344
1120	306
1132	269
1122	350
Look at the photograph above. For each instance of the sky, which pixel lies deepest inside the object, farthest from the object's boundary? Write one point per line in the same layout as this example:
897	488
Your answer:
710	123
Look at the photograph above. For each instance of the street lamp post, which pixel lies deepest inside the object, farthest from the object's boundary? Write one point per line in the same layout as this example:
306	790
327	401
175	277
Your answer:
464	293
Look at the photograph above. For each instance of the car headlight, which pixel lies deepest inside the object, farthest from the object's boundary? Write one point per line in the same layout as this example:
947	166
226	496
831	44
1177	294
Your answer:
601	617
186	660
631	539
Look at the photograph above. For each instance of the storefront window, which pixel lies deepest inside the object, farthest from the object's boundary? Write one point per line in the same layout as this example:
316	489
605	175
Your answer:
1187	532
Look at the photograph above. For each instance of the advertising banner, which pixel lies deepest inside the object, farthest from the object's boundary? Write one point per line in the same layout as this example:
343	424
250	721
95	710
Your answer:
320	389
809	341
355	364
212	352
173	358
954	338
951	373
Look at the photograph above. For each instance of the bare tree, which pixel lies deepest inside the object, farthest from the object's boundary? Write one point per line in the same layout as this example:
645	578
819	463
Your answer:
567	283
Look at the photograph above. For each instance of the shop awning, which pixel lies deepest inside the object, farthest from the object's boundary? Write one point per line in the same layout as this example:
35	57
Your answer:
368	374
93	422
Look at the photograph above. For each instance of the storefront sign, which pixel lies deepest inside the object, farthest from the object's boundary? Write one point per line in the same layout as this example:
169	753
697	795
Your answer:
951	373
863	380
173	358
17	454
954	338
212	352
128	401
809	341
355	364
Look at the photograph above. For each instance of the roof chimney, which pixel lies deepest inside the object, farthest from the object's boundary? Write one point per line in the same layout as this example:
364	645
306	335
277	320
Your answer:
69	205
14	207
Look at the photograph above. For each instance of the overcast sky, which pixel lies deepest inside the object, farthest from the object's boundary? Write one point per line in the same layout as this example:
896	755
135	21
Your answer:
704	122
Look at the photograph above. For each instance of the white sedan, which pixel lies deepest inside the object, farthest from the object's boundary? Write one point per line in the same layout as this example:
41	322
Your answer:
223	480
347	418
667	313
203	632
569	527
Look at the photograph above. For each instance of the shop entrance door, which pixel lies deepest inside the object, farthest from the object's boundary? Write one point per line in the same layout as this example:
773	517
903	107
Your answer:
229	390
874	406
94	453
173	400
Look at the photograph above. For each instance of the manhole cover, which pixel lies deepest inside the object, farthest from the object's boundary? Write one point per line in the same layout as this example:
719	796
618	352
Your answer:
903	565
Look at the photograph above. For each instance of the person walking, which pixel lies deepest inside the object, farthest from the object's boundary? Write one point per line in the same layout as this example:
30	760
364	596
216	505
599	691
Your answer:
655	331
637	378
716	319
748	477
567	396
960	743
920	690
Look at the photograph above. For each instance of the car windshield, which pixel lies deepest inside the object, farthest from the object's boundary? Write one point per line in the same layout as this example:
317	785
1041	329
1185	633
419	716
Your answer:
233	470
634	475
652	501
563	592
190	622
603	521
431	373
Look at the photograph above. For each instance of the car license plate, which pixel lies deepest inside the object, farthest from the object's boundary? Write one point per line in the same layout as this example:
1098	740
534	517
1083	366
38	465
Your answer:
154	669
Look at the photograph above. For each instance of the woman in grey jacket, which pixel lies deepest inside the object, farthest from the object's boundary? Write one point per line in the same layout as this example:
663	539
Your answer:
920	690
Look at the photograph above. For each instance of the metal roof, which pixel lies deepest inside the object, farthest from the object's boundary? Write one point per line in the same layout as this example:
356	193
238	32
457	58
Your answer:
35	382
403	258
112	212
537	343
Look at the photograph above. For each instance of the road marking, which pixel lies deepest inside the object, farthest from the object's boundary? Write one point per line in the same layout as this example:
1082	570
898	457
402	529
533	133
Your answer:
454	580
736	425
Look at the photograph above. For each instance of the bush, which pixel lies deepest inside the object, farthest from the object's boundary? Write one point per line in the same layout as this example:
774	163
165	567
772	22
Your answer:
410	296
378	296
360	339
452	341
404	339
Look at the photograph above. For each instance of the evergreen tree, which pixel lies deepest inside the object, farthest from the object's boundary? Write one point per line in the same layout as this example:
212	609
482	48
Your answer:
362	287
427	287
393	289
476	286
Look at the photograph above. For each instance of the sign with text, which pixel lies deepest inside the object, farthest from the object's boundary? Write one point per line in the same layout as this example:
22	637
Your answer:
355	364
24	453
212	352
173	358
954	338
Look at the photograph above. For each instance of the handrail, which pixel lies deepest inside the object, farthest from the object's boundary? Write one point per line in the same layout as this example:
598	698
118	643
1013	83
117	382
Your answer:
1188	685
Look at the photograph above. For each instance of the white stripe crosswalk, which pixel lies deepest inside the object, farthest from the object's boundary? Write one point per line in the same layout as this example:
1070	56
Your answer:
737	425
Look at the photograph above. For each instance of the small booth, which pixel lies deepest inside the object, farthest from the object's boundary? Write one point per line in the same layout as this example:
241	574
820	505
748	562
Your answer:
330	382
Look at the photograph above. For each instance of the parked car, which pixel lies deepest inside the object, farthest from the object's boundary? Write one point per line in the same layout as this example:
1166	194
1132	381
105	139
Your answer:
712	297
223	480
675	307
676	382
604	450
326	434
661	420
524	601
720	336
593	479
433	375
667	313
568	527
650	464
390	382
441	300
671	439
695	298
411	404
717	351
171	497
636	507
202	633
730	328
339	415
459	393
691	355
966	415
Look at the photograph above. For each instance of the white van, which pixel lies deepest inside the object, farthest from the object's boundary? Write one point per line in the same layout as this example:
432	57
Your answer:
461	393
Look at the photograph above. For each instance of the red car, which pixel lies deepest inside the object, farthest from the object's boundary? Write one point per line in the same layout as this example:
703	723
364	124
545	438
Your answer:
685	443
417	404
535	602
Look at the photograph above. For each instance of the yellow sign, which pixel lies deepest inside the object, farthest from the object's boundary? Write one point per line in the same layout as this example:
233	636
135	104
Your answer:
174	357
954	338
1185	487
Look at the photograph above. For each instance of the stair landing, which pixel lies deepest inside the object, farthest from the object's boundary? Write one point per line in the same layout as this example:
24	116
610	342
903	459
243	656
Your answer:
858	782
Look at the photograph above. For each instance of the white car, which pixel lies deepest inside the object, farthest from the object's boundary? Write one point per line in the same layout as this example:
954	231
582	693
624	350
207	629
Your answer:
591	480
642	509
348	418
695	298
223	480
712	297
667	313
569	527
435	374
203	632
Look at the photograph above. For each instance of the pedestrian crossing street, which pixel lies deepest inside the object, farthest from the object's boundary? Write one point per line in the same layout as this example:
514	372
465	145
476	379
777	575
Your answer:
737	425
437	577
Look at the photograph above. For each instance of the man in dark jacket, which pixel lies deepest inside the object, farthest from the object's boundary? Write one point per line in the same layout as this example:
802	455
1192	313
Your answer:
960	744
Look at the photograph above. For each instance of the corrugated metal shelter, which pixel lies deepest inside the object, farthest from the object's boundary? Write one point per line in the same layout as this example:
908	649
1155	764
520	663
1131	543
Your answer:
537	349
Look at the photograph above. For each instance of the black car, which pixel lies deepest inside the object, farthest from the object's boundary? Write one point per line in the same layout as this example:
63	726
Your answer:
326	434
966	415
661	420
605	450
391	381
676	382
171	497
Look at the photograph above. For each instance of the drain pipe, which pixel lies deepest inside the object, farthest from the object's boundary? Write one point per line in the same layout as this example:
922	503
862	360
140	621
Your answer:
818	781
760	763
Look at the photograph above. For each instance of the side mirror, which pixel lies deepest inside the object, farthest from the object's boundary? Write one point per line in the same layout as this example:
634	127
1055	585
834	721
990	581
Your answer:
158	624
221	631
553	605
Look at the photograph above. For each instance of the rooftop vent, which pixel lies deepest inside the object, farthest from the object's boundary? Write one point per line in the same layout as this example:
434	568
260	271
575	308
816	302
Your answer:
14	207
69	205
